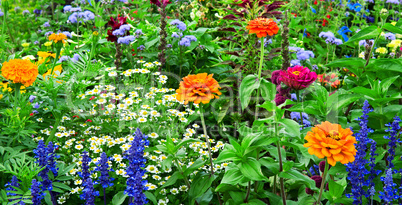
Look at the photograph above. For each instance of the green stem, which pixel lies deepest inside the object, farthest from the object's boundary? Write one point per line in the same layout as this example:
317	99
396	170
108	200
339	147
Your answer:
248	192
323	182
259	79
299	100
17	93
182	173
278	145
52	134
206	138
55	60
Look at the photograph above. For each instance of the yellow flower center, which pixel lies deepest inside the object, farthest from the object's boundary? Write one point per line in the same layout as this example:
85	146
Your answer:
296	72
334	135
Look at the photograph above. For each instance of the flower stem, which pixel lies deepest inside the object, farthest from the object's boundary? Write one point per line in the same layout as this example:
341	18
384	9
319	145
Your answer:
182	173
259	79
55	60
278	145
299	100
248	192
17	93
206	138
323	181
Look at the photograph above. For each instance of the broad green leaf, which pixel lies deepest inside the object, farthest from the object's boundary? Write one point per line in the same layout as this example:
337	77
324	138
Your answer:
366	33
335	190
291	127
222	113
200	185
386	83
268	90
247	86
297	176
338	102
197	164
119	198
228	154
392	28
61	185
385	64
234	177
172	179
347	62
251	169
151	43
151	197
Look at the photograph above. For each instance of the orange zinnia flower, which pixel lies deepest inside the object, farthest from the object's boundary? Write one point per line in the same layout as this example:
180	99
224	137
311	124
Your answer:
331	141
20	71
198	88
262	27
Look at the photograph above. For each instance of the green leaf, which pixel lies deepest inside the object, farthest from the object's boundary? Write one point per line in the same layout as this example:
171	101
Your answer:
234	176
366	33
297	176
172	179
151	197
335	190
222	113
61	185
269	106
119	198
151	43
228	154
268	90
347	62
201	183
251	169
386	83
385	64
247	86
338	102
255	202
392	28
270	164
197	164
291	127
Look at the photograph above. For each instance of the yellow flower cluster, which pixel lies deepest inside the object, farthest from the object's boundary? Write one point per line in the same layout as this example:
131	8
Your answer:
43	55
57	37
381	50
57	68
47	44
20	71
394	44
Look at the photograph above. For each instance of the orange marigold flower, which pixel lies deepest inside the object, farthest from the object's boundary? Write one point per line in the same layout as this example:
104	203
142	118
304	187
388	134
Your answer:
262	27
46	54
198	88
331	141
57	37
20	71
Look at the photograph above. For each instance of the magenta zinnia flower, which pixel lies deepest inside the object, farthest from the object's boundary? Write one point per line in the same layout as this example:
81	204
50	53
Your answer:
298	77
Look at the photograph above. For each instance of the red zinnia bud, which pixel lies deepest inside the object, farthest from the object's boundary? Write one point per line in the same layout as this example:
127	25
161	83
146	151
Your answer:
93	97
31	114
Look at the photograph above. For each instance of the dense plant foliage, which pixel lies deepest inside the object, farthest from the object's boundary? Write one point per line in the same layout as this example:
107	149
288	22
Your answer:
200	102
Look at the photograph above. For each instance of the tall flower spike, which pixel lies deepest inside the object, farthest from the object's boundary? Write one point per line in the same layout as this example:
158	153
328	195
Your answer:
390	193
85	173
41	155
36	193
103	168
393	129
135	169
357	169
89	193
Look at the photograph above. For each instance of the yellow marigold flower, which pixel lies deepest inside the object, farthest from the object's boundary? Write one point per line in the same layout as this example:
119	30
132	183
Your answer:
198	88
95	33
20	71
57	68
47	44
46	54
25	45
381	50
4	87
57	37
331	141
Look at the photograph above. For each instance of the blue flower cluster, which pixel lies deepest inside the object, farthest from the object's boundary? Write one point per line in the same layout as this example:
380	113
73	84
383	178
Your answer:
135	169
89	193
37	194
393	129
122	30
330	38
85	16
69	8
296	116
103	168
186	40
357	169
45	158
125	40
85	173
179	24
10	187
389	193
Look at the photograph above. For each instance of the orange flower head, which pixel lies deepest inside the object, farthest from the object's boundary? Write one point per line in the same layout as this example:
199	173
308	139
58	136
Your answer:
57	37
57	68
20	71
331	141
262	27
198	88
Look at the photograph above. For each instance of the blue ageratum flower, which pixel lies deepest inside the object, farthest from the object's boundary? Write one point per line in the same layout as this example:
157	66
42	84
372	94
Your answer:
89	193
103	168
135	169
85	173
357	169
179	24
36	193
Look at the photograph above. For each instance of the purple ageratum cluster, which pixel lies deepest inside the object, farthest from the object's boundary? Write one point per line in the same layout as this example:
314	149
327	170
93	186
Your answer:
89	193
175	35
357	169
364	43
389	36
36	193
122	30
25	12
135	169
186	40
141	47
125	40
85	173
139	32
69	8
179	24
330	38
390	193
46	24
48	33
296	116
1	13
68	34
76	57
393	129
85	16
103	168
266	42
393	2
304	55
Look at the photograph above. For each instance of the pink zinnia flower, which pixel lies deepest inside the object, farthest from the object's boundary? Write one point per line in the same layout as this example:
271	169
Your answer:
298	77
